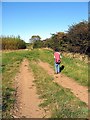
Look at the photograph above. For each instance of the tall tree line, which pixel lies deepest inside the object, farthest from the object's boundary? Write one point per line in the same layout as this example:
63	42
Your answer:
76	39
12	43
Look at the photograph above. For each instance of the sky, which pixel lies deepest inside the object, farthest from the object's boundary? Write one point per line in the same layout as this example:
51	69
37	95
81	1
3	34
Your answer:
44	0
41	18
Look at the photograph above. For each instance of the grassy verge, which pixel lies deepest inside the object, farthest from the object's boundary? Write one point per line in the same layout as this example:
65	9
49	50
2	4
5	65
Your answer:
61	102
10	65
75	69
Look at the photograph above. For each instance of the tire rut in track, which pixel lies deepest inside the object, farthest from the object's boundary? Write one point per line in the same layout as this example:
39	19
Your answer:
79	91
26	96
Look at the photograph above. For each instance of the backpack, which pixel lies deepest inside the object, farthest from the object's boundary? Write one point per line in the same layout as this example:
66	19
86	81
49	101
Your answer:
57	60
57	57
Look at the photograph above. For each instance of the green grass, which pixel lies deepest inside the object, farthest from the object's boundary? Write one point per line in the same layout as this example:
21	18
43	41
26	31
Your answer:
10	65
61	102
75	69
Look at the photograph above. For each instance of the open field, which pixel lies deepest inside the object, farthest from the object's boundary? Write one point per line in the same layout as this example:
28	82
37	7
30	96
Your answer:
62	103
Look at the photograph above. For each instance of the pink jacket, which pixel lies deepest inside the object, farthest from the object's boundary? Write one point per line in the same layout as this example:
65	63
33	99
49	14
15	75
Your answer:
57	56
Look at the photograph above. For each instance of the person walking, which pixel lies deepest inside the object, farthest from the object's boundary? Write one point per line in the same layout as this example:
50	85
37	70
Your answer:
57	59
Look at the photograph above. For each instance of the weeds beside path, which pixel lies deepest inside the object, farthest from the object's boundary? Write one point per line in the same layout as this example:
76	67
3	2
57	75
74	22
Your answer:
79	91
42	88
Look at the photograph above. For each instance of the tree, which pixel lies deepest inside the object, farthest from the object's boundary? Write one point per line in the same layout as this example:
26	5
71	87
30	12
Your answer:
78	37
37	44
18	37
34	38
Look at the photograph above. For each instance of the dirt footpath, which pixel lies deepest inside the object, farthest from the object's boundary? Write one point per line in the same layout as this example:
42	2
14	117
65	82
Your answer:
79	91
27	105
27	99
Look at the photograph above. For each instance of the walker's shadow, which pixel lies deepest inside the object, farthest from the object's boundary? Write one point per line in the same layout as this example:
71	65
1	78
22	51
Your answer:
61	68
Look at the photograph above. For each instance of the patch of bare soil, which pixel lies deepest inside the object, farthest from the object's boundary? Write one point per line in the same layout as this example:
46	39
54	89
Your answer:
27	100
79	91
